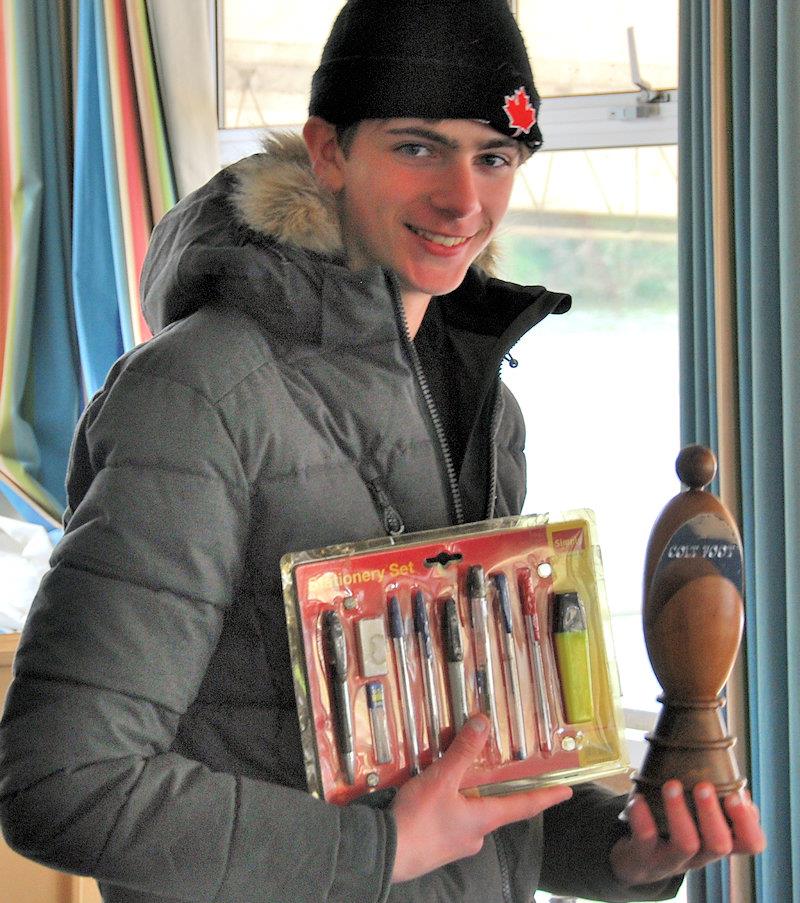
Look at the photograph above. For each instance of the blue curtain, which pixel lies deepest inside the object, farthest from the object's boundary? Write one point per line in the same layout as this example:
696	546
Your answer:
70	305
96	273
764	138
40	396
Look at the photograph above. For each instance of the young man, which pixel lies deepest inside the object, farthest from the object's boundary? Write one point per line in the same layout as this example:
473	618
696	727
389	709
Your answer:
324	370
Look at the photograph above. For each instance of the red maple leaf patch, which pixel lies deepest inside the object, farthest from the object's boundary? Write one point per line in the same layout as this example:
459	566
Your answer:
520	111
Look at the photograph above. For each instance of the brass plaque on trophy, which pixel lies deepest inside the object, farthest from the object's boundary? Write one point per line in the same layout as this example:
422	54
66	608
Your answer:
693	617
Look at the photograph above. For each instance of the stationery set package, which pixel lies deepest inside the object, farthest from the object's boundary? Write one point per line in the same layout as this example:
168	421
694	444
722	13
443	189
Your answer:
396	642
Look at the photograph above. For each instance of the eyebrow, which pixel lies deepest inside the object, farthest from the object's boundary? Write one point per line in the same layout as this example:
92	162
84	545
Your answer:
444	141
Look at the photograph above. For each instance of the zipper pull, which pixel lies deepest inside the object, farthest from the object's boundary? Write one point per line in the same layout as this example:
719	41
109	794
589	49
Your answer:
392	522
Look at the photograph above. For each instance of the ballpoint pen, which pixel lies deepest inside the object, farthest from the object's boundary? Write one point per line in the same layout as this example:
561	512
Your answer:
519	744
544	719
335	648
422	628
398	634
484	672
571	641
454	653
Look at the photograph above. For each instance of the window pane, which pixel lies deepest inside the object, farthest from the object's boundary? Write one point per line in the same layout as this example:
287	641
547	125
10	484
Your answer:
581	46
271	49
599	385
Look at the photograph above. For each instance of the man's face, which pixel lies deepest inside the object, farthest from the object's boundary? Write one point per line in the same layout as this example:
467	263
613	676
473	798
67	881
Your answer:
424	197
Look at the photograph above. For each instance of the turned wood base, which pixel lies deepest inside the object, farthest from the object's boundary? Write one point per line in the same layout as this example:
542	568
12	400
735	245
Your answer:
690	743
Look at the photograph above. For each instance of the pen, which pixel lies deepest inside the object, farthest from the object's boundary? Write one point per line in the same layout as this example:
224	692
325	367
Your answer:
528	599
336	657
512	674
398	634
484	673
571	640
423	631
454	653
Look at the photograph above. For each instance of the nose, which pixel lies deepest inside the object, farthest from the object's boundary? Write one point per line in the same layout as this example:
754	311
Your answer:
456	192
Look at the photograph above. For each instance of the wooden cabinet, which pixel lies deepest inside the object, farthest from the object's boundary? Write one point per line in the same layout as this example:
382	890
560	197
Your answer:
23	881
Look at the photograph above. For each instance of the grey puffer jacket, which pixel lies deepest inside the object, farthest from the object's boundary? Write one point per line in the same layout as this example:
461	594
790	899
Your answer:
150	736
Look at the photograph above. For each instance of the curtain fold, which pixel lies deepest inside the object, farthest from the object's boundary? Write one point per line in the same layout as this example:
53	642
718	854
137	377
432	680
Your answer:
760	407
39	388
789	218
113	212
96	217
180	31
85	172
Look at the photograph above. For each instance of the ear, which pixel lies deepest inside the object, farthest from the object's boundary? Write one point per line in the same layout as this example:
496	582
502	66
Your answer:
326	156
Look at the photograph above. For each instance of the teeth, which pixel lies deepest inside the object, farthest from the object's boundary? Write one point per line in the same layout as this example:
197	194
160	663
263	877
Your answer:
449	241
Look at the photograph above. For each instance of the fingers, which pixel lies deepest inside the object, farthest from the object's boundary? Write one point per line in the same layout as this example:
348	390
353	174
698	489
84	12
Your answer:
641	821
732	827
635	858
693	841
714	835
715	832
744	817
684	839
645	856
503	810
436	823
467	745
493	811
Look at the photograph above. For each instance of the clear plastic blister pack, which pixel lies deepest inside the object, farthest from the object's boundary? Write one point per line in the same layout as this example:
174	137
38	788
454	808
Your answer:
395	643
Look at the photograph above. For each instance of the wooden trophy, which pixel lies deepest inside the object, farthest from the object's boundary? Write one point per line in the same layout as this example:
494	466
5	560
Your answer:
693	617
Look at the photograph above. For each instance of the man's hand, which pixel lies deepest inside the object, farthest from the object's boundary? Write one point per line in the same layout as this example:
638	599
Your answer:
644	857
436	824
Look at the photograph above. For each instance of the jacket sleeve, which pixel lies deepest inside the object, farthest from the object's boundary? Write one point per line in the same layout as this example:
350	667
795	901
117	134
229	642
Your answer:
578	837
112	655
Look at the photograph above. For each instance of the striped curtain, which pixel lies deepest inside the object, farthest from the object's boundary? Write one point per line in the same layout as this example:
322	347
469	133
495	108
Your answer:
85	172
739	234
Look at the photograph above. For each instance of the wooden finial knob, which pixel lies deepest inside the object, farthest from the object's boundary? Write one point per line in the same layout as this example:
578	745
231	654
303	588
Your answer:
696	466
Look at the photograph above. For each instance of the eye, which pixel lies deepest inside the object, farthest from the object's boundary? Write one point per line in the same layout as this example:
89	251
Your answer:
495	161
413	150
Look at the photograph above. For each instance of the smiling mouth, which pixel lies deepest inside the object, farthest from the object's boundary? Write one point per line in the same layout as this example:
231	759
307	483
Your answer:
447	241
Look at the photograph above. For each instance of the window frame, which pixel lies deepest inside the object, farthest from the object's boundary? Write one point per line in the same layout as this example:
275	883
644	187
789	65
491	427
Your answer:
580	122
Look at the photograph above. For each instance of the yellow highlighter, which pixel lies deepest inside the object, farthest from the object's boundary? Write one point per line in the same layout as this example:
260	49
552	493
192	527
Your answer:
571	642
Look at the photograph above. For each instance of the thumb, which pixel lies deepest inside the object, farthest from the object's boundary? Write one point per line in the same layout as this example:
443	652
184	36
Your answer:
465	749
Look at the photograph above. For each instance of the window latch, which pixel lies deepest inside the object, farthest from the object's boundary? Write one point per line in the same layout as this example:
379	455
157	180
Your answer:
647	100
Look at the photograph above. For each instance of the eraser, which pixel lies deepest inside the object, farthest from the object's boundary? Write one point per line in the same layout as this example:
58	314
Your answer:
372	652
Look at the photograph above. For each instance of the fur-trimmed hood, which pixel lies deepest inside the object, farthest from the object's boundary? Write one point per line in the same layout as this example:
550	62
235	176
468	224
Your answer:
264	236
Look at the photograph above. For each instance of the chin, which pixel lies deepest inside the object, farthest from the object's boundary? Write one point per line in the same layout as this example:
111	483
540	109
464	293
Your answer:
437	283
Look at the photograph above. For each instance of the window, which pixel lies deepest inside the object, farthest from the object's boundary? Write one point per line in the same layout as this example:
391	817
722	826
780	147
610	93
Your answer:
599	386
269	53
581	47
270	50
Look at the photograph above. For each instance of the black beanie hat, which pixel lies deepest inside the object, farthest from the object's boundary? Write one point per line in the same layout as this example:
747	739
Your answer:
428	59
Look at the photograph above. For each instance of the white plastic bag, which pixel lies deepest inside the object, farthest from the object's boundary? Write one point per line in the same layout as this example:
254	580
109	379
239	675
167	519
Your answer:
24	553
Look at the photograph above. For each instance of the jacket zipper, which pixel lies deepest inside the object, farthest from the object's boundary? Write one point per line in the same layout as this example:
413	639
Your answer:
494	424
456	493
505	883
452	479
